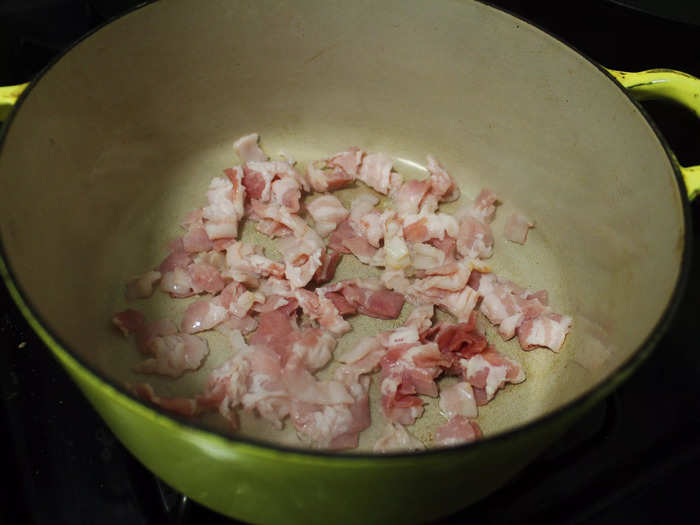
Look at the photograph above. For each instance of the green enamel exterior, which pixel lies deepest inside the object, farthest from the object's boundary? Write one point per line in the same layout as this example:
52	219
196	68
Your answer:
671	85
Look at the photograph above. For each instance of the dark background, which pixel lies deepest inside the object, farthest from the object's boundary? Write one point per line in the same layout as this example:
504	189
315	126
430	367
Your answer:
634	458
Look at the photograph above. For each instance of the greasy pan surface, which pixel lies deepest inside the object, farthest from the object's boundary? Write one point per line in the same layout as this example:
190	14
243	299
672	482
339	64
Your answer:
148	135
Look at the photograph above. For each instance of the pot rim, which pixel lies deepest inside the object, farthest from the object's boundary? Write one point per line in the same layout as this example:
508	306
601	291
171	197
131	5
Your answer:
585	400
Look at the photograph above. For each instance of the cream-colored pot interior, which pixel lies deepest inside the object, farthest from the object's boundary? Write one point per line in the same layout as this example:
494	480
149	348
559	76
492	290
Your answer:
120	138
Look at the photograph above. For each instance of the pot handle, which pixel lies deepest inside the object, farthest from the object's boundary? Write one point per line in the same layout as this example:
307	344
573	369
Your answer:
672	85
8	97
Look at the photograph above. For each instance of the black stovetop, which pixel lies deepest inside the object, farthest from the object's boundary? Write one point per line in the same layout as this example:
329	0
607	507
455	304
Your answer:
633	458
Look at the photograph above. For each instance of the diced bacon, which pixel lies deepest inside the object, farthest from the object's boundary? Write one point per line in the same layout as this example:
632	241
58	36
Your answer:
260	177
341	304
456	431
202	315
397	407
548	330
406	371
421	317
196	240
368	222
329	262
426	226
376	172
205	278
520	311
447	245
395	280
322	179
141	287
446	286
345	240
302	257
173	355
178	283
327	212
245	261
247	148
409	197
396	252
311	350
129	321
441	184
333	426
348	161
149	332
484	206
474	238
177	258
275	286
490	371
193	218
319	307
458	400
245	303
275	331
245	325
395	438
277	221
226	205
516	228
286	192
183	406
302	386
370	298
425	256
462	340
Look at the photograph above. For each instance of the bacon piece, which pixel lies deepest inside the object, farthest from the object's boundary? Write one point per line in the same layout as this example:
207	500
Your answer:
150	331
421	317
333	426
141	287
196	240
456	431
368	222
286	192
173	355
426	226
361	359
318	306
183	406
310	350
277	221
177	258
474	238
329	262
395	280
345	240
548	330
424	256
129	321
395	438
205	278
226	198
458	400
202	315
446	287
489	371
246	263
442	186
484	206
410	195
327	212
302	257
245	325
397	407
369	297
376	172
446	245
516	228
247	148
462	340
349	161
178	283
